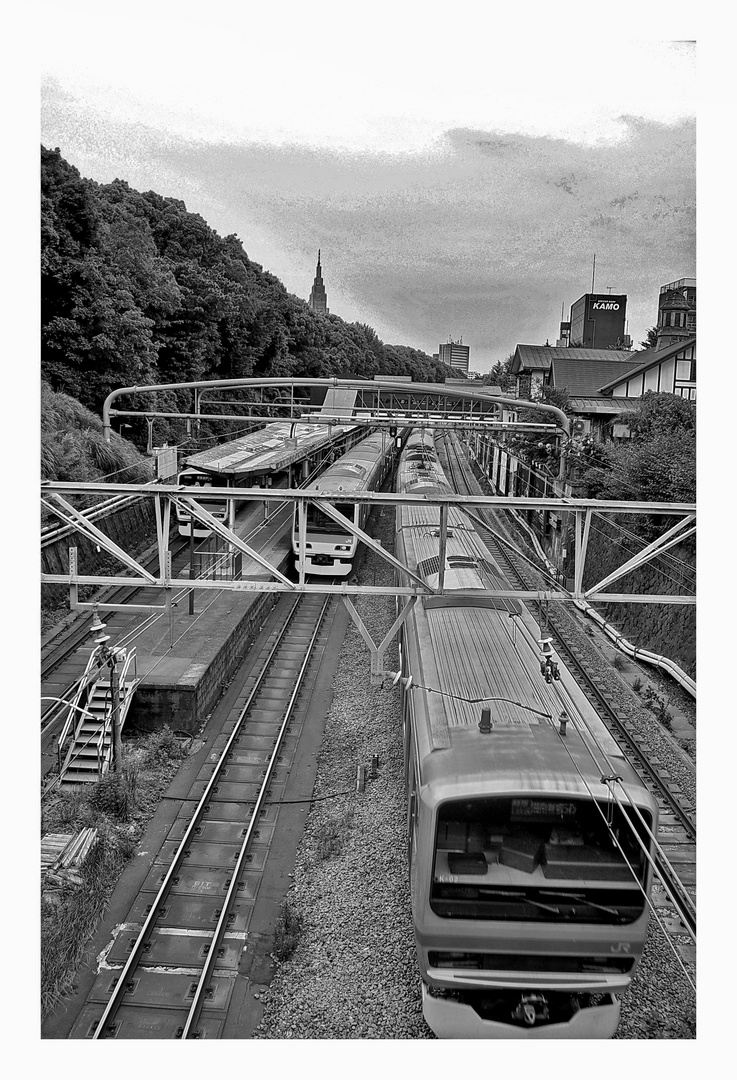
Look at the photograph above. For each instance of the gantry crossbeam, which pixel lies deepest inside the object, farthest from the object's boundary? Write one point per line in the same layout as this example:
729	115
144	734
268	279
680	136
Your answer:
56	495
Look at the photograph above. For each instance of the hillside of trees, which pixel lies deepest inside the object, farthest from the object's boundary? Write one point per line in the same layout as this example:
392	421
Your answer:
136	290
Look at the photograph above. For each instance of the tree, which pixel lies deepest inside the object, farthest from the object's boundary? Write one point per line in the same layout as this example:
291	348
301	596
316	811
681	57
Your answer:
651	340
658	464
501	375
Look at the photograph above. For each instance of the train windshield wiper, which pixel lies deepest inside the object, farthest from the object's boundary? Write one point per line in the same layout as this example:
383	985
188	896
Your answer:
581	899
526	900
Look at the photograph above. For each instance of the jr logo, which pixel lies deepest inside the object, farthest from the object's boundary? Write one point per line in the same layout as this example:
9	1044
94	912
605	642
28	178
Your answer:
621	946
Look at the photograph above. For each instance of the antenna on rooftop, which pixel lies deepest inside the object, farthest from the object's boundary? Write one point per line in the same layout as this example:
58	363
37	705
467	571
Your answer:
593	275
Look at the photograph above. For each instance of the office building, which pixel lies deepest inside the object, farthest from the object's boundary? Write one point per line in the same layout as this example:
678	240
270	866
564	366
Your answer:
455	354
597	322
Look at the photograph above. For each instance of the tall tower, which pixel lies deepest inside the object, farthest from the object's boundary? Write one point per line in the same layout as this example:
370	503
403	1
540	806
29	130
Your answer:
676	312
318	297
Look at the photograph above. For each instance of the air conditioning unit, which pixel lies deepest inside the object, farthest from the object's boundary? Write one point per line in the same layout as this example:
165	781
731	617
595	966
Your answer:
581	427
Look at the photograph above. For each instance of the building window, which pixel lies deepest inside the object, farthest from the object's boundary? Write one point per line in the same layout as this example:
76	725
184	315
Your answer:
683	370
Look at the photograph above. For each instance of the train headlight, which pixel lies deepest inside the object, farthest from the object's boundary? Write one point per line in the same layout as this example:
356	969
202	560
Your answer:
343	547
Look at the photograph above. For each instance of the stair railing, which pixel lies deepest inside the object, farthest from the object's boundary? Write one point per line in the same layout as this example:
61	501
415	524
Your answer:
75	707
97	738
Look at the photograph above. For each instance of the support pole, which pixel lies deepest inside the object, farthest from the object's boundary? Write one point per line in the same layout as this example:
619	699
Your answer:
191	564
115	714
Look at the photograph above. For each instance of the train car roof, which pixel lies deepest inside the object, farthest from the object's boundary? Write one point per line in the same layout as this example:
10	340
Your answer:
533	758
353	471
270	449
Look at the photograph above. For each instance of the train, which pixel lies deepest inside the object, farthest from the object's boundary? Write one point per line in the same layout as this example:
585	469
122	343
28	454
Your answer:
529	836
329	549
285	449
194	480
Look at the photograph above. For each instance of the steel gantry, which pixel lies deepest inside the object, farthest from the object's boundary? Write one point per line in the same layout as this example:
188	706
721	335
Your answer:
267	577
380	403
55	497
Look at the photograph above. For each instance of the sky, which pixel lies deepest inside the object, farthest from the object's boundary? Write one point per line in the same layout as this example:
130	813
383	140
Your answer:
457	173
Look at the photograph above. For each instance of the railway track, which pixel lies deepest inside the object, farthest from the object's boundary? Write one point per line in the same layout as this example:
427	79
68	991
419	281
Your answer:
676	860
171	970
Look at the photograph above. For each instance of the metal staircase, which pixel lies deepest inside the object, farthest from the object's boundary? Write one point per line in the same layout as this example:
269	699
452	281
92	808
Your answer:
85	747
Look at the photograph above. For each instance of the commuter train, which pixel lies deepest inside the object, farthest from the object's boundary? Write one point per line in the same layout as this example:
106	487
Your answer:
329	549
256	460
528	832
195	481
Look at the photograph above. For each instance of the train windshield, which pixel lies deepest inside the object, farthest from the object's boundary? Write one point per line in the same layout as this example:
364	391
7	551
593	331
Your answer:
191	478
317	522
539	859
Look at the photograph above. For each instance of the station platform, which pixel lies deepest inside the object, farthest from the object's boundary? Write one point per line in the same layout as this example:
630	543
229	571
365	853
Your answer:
184	661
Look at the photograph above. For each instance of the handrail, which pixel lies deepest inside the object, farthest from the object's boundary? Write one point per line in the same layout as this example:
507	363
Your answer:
74	704
130	659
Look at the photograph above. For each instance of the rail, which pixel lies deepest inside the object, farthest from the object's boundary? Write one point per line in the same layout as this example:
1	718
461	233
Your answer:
103	1027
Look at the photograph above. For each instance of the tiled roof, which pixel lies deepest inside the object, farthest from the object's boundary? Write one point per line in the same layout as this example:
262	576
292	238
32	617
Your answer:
539	357
648	359
584	376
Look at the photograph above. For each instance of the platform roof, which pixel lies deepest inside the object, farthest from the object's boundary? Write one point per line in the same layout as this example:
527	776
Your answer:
270	449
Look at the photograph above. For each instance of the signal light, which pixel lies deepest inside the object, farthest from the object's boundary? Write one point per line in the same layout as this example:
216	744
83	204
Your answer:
579	426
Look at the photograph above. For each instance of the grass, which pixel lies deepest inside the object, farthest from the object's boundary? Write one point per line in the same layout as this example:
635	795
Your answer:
119	807
619	663
331	838
288	932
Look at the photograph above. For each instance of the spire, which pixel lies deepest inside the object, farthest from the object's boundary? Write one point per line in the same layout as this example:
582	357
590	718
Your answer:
318	297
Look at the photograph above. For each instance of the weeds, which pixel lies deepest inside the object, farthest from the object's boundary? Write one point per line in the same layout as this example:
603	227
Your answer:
637	685
619	663
658	707
115	794
162	748
332	834
70	914
288	932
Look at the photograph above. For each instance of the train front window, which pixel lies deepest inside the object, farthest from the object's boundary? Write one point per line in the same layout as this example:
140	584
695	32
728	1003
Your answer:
318	522
539	858
192	479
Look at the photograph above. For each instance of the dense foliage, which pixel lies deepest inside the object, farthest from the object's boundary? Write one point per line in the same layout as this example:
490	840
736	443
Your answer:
658	462
73	448
136	290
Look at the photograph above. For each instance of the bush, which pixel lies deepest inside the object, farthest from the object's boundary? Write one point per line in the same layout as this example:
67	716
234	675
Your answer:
162	748
115	794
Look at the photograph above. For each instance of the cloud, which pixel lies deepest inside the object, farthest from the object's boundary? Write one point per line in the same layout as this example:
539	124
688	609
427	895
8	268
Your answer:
486	234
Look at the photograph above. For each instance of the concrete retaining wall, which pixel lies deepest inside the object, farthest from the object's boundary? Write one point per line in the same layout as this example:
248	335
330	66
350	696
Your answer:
184	705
